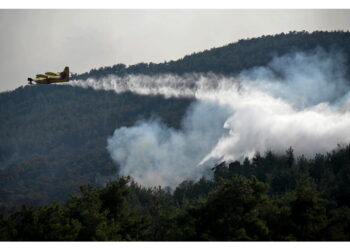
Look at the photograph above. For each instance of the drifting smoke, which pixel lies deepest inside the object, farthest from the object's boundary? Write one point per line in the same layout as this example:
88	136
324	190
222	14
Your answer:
300	100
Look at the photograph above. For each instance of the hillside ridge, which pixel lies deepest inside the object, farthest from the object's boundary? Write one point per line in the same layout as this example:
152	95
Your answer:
234	57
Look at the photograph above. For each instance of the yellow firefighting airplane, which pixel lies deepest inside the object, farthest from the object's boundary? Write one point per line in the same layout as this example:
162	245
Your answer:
51	77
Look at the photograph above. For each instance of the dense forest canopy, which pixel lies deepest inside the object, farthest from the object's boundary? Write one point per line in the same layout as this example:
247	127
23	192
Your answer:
58	182
270	197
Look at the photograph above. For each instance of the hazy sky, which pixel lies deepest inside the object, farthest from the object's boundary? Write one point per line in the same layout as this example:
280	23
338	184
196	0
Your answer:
36	41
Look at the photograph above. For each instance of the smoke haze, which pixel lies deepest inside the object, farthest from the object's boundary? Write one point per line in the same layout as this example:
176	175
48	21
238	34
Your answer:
300	100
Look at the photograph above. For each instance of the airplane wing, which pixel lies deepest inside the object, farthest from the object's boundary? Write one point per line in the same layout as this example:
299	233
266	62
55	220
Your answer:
52	74
41	76
53	77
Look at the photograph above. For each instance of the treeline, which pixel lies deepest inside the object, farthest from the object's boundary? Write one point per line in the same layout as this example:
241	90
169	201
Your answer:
53	138
270	197
235	57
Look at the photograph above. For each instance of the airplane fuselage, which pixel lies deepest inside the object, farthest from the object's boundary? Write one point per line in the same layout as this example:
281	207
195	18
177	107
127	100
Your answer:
48	80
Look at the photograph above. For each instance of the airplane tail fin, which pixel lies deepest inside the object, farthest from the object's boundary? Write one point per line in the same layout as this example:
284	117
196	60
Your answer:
65	73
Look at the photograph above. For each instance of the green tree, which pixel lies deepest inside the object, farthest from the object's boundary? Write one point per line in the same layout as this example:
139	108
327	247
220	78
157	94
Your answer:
232	211
308	213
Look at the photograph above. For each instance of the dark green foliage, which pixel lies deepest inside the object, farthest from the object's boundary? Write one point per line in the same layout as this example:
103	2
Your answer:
47	223
231	212
308	214
93	215
235	205
189	190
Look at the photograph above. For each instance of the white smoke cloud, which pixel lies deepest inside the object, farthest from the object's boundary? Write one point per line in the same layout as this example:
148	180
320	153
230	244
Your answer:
157	155
300	100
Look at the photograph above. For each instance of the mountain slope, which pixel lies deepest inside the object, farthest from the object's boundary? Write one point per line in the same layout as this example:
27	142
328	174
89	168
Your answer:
235	57
53	137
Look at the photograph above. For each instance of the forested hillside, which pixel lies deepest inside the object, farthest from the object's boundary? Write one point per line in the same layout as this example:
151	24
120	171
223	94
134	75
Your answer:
235	57
53	138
